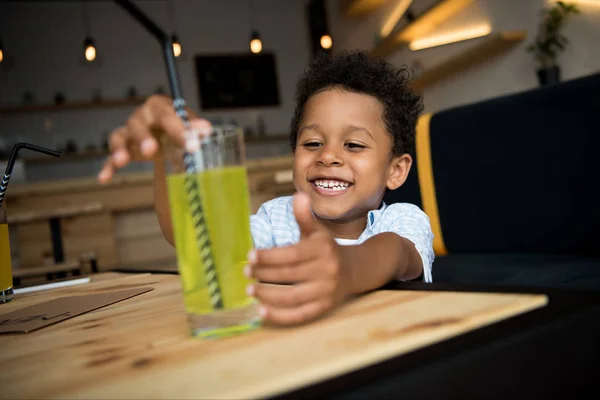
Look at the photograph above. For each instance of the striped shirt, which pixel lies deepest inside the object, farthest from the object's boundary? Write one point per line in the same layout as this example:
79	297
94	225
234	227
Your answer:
274	225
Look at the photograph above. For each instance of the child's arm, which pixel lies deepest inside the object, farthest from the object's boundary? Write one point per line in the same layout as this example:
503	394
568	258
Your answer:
161	201
138	139
323	272
378	260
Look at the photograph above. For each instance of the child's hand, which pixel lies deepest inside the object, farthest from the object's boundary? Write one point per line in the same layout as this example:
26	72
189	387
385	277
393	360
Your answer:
137	140
305	280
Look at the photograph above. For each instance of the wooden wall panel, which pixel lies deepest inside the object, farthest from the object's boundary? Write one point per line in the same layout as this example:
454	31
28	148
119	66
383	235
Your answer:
126	232
80	235
140	239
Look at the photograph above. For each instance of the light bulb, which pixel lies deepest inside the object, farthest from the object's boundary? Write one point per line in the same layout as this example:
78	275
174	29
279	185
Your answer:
176	49
176	45
90	49
255	42
256	46
1	55
90	53
326	41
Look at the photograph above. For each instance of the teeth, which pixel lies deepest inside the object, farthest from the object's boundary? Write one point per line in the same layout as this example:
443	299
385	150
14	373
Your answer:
331	184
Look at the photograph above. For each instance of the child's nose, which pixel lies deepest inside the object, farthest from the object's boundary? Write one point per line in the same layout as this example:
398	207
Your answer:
330	157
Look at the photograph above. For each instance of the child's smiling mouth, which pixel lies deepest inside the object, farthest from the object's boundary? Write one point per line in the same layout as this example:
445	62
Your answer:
330	186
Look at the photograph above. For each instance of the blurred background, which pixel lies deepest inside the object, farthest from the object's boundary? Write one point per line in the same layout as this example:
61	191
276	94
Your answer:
72	71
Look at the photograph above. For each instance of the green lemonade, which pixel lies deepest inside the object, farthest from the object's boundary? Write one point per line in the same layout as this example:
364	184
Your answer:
226	205
5	265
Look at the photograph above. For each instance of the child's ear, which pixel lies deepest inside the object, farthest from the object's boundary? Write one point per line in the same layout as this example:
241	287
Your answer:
398	171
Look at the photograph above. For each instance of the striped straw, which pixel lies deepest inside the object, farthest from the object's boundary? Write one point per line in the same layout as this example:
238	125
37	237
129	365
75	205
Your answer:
3	186
194	163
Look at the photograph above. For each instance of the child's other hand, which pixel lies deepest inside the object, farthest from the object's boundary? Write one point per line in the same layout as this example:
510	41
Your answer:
314	265
137	140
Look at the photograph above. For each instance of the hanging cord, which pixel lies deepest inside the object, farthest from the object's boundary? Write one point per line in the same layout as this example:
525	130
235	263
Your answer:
171	12
251	15
85	18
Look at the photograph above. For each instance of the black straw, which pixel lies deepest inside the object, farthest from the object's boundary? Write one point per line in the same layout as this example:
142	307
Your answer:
169	58
11	162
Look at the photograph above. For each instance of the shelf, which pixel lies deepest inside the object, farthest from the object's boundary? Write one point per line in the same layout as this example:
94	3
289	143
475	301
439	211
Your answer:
90	154
71	105
359	8
83	155
489	47
267	138
424	24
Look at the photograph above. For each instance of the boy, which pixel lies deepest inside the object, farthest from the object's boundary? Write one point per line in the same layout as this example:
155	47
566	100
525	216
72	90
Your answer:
351	135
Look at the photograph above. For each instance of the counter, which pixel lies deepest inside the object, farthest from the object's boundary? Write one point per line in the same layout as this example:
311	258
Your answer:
124	230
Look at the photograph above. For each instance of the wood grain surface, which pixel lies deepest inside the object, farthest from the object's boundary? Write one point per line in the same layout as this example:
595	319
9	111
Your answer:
140	347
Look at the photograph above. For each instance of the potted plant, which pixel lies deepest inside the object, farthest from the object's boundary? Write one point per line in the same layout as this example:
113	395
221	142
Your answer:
550	41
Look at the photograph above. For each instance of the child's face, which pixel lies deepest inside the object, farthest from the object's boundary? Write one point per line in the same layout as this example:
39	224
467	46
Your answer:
343	157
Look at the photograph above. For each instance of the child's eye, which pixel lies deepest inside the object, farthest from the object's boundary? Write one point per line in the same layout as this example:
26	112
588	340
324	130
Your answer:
312	145
355	146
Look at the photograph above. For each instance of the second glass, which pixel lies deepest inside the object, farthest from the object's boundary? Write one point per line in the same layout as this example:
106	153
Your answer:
6	281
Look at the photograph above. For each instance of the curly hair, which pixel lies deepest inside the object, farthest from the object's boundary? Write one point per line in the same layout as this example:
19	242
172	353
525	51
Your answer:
356	72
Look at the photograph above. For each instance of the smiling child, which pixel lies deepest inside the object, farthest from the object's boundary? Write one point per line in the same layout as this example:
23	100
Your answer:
351	134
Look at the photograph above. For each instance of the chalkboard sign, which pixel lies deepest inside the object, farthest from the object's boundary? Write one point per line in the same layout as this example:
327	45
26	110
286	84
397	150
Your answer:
237	81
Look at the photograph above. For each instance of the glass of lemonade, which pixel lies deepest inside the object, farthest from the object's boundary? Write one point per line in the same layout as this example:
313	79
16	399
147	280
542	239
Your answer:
210	212
6	282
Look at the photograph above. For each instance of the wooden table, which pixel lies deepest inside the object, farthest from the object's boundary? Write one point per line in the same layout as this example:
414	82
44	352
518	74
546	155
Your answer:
140	347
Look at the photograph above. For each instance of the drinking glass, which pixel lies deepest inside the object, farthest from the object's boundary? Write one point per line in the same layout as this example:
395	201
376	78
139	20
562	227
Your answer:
210	212
6	281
